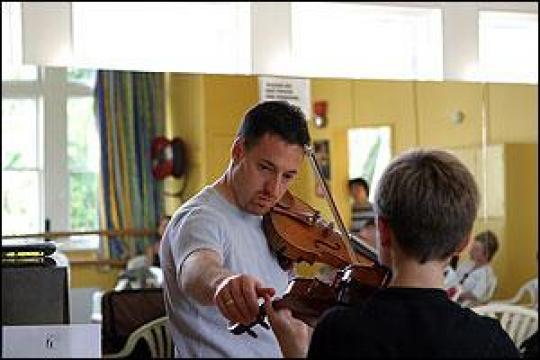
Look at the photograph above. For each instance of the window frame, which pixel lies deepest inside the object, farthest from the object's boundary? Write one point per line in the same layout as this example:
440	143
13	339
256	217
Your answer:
486	21
52	90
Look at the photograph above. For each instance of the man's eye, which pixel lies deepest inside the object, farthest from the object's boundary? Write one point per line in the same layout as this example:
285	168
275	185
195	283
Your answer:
288	177
264	167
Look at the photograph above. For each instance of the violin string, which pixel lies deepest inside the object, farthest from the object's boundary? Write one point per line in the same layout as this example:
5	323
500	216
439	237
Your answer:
328	197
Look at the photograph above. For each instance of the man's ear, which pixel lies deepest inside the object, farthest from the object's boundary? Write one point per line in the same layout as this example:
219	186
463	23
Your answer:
238	149
384	232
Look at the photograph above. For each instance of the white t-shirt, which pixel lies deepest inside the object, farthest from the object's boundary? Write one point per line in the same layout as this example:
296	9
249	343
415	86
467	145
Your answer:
476	281
209	221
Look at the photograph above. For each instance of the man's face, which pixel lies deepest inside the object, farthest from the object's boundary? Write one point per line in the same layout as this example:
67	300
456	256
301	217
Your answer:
262	174
477	252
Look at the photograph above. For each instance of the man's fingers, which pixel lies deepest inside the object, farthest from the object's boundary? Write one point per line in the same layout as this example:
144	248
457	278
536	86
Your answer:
262	291
240	303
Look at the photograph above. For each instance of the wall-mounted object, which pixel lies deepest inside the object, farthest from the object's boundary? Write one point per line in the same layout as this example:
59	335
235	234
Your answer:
457	117
320	110
168	157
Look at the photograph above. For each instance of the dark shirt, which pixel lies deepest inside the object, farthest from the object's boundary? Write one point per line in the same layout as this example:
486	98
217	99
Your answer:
409	322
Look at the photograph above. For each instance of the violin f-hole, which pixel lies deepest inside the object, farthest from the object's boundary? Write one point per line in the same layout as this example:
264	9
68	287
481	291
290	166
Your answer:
335	246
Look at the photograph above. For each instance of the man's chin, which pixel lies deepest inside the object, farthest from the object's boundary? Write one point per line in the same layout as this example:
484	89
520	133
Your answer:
260	210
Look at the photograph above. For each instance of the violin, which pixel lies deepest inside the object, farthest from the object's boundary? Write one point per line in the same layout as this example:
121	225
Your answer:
296	232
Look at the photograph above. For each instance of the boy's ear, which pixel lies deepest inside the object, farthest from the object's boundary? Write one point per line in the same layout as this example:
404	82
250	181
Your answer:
384	232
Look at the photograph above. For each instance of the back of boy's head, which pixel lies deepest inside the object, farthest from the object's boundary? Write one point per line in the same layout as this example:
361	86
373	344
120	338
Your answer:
489	241
430	200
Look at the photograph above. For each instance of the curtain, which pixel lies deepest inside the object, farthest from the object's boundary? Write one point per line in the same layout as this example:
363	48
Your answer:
130	113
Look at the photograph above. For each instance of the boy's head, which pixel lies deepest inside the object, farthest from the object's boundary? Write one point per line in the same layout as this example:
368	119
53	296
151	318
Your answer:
484	247
429	200
359	190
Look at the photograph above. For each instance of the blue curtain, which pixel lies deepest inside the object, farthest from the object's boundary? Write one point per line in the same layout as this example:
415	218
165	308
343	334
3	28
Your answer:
130	113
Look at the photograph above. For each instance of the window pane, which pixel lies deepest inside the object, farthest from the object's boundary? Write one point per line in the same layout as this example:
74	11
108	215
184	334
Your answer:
508	45
221	44
82	76
21	73
12	68
83	142
83	163
362	41
83	212
19	134
20	202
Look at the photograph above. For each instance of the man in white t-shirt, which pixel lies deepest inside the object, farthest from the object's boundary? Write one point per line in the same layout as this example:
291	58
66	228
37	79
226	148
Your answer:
216	261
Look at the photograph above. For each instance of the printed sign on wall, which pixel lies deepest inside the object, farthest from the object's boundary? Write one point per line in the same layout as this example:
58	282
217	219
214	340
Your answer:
295	91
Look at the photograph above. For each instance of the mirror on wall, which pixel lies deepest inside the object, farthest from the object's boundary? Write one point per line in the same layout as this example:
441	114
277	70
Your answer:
369	152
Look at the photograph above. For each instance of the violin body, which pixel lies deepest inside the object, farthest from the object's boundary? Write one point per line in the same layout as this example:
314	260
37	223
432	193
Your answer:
296	232
308	299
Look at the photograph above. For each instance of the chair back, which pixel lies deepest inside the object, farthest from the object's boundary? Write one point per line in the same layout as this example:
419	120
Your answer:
518	321
528	290
125	311
156	335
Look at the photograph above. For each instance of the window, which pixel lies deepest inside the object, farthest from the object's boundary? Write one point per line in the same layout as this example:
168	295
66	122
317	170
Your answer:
508	47
21	168
362	41
185	36
50	151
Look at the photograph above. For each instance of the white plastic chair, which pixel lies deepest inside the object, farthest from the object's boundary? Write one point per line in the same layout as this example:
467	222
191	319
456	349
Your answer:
157	336
528	290
518	321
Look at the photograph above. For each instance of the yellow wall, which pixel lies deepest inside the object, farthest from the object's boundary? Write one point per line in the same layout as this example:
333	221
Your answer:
418	113
91	276
521	235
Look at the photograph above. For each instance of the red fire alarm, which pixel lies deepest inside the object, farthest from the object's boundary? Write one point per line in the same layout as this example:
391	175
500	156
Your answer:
319	108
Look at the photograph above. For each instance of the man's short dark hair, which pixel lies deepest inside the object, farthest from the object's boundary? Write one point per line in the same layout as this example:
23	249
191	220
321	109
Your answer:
430	201
277	118
489	241
359	181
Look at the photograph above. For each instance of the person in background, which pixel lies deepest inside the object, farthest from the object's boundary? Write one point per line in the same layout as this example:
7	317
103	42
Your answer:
359	192
362	214
475	277
214	254
152	252
426	203
364	224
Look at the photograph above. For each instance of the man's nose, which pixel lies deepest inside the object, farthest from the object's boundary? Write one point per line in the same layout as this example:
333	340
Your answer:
272	186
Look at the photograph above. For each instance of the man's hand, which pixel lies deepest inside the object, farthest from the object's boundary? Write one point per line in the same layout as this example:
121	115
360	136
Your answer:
204	278
292	334
236	297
